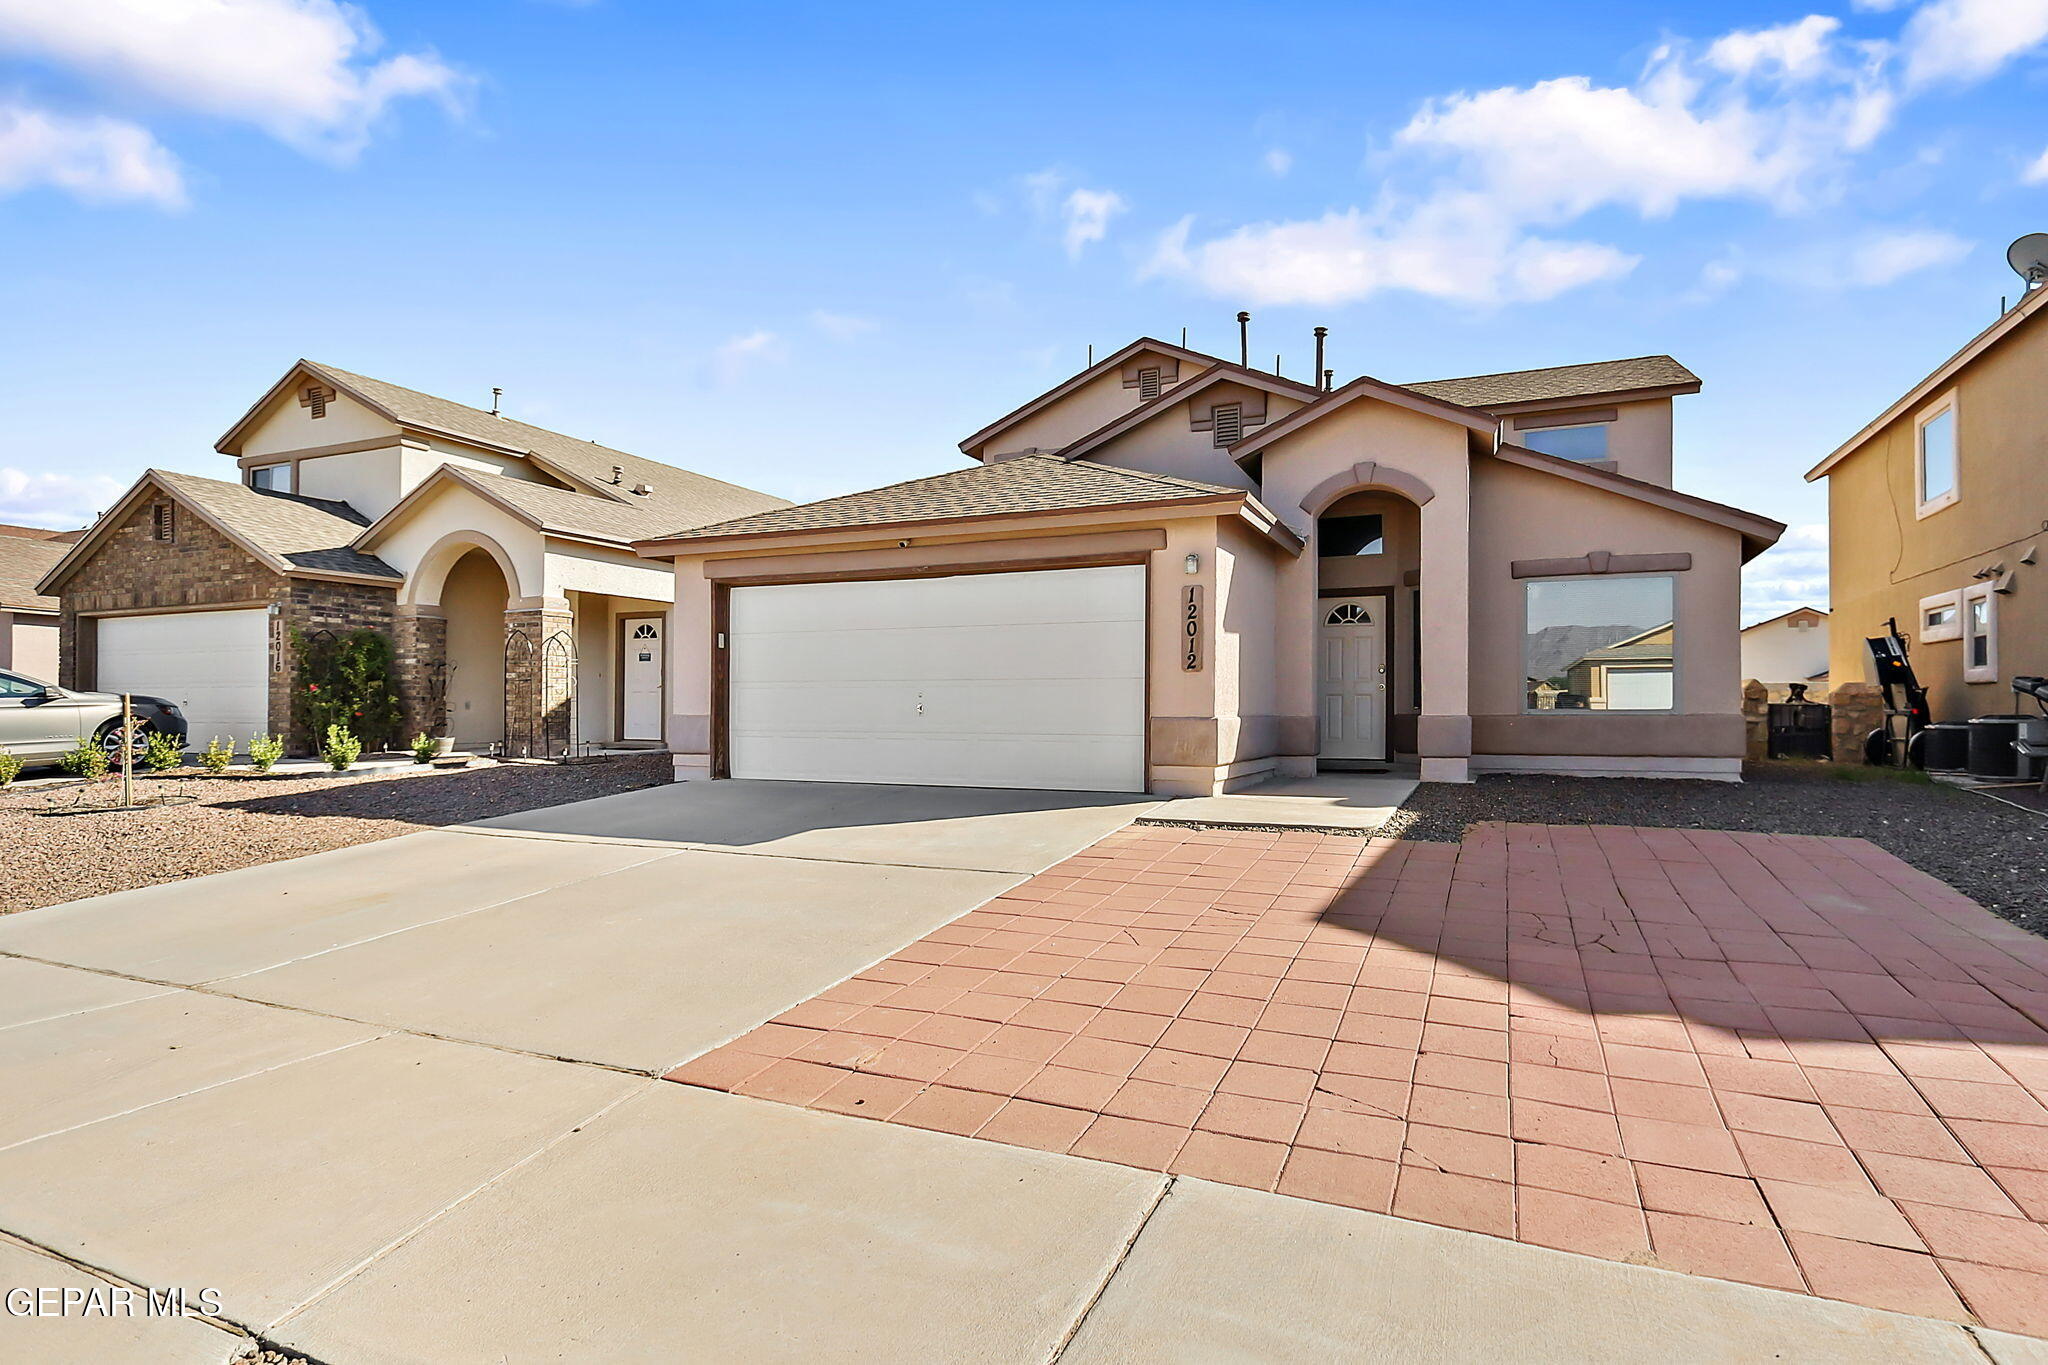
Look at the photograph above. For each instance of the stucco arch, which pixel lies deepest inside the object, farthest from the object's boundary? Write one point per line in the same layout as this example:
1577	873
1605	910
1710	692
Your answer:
1365	477
424	584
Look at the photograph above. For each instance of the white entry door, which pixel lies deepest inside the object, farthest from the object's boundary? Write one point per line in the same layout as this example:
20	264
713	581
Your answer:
640	673
1032	679
214	664
1352	679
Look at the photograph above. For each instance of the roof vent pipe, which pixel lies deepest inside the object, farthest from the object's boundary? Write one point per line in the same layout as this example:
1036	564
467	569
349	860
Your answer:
1244	340
618	474
1320	375
643	489
1329	380
496	394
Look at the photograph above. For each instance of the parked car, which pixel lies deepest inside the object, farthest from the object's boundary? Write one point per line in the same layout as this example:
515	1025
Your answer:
40	721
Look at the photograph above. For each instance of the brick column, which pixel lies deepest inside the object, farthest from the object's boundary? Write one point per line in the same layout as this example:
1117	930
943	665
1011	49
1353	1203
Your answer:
420	636
540	680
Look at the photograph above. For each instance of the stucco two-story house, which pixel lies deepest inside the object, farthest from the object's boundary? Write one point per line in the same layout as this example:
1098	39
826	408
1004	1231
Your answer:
1173	572
1938	521
495	553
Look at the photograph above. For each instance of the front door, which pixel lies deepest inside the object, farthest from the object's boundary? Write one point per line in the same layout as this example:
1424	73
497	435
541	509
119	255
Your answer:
640	668
1352	680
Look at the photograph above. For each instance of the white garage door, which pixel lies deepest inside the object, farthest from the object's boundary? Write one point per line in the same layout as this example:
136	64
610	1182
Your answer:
1639	689
984	680
214	664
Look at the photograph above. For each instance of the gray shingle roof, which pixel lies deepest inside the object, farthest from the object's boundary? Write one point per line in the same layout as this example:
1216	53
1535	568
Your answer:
680	497
568	512
1026	483
23	562
306	533
1559	381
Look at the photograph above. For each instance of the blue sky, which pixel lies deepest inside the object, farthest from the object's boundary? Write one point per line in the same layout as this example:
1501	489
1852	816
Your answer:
808	247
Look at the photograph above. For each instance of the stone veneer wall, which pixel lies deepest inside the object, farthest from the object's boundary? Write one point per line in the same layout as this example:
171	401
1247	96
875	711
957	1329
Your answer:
540	683
421	636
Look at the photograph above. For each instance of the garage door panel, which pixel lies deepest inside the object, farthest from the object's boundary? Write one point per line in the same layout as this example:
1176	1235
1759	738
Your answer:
1033	679
214	664
940	653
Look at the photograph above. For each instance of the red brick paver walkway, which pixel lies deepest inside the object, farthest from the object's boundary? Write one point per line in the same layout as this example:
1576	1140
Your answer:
1794	1062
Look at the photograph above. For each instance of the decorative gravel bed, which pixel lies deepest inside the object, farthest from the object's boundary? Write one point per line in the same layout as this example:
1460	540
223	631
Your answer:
241	821
1993	853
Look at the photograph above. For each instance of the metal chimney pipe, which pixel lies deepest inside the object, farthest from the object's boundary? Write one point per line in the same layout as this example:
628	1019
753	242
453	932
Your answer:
1244	340
1318	373
496	394
1329	380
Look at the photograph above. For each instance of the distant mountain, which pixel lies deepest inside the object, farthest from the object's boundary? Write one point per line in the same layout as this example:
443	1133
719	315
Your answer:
1553	649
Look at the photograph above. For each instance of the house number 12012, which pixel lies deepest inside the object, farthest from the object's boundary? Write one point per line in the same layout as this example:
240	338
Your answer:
1191	628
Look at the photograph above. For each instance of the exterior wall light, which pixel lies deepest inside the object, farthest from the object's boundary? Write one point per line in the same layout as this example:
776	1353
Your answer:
1193	564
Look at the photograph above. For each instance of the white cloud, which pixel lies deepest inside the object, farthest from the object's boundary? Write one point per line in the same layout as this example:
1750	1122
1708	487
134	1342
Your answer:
99	160
1279	161
1889	256
301	70
1794	51
1967	40
59	501
1792	573
738	356
2036	172
1087	214
841	326
1082	214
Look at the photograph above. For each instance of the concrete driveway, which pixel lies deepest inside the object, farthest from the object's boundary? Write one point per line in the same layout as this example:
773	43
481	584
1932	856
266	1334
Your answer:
397	1103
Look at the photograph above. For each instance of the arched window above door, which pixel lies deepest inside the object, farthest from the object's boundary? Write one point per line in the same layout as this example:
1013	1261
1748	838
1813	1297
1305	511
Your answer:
1348	614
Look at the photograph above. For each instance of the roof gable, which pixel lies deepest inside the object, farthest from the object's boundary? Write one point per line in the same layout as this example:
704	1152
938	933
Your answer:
1222	372
1196	359
1365	386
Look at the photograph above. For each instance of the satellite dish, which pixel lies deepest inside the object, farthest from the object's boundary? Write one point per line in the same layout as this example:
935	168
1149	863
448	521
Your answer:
2029	259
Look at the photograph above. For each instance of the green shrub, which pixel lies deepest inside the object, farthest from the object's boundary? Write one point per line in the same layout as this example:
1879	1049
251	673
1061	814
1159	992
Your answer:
346	680
10	768
88	760
218	755
423	747
264	751
342	748
162	753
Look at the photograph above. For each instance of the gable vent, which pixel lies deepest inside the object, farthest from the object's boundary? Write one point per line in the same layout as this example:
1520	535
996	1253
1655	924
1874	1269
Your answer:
314	397
1148	384
163	522
1229	424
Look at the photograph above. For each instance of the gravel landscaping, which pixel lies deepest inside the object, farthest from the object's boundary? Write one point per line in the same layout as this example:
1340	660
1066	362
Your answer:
1993	853
235	822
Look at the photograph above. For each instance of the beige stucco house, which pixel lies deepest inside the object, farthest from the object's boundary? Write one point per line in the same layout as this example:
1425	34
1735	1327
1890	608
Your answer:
1938	520
1791	647
28	618
497	554
1179	574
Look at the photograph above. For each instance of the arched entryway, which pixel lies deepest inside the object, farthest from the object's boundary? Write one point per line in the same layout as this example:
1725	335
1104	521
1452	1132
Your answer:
473	600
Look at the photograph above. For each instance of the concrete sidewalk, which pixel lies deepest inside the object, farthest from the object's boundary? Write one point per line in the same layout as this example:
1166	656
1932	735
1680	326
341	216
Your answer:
1328	801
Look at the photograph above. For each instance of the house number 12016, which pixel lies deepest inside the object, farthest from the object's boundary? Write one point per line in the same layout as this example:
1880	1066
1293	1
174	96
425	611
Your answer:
1191	628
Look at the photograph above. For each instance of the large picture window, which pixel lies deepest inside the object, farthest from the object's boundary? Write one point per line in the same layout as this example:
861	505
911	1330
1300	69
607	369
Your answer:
1600	644
1571	443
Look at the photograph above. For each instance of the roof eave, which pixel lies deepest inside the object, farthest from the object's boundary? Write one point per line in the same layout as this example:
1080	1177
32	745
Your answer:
1758	532
1581	400
1365	386
376	531
672	547
2007	323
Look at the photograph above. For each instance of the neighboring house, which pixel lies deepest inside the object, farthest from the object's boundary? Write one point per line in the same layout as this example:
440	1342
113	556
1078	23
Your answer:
1789	648
1938	520
28	619
1178	574
497	554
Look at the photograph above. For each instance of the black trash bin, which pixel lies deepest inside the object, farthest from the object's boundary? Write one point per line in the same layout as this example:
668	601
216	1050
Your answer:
1991	751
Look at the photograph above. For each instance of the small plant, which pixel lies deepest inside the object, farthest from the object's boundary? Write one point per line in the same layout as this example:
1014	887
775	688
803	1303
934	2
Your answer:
264	751
87	760
424	747
218	755
342	748
10	768
162	753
